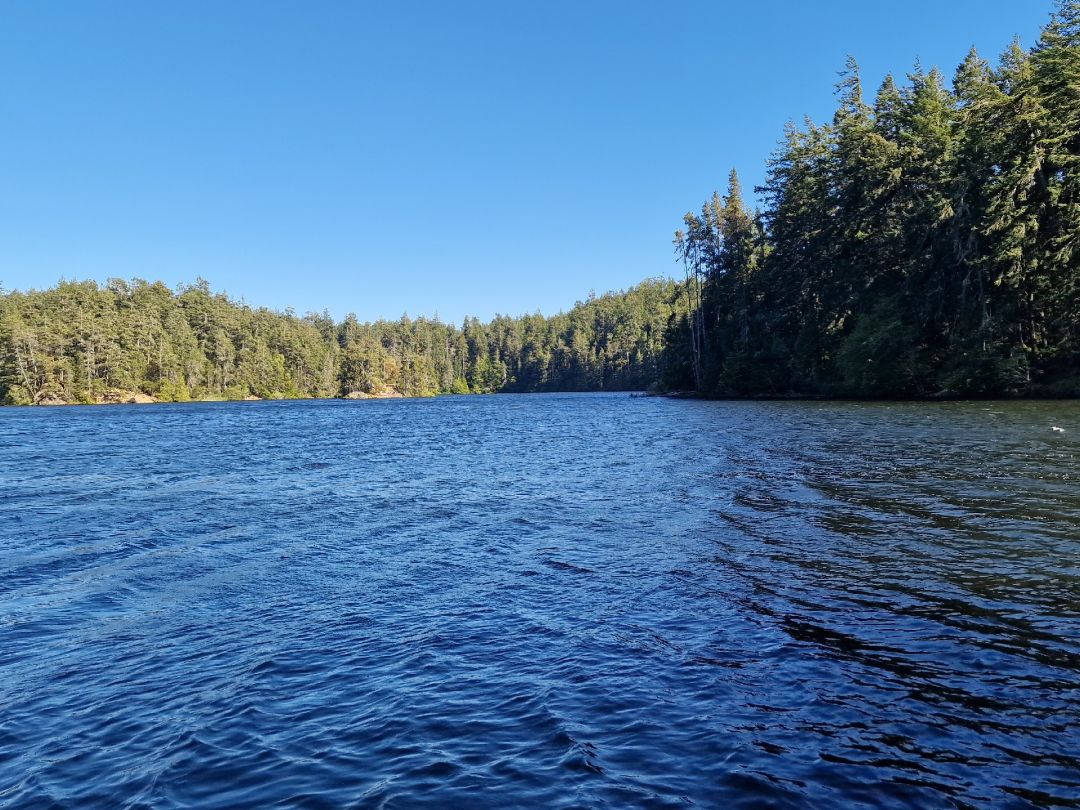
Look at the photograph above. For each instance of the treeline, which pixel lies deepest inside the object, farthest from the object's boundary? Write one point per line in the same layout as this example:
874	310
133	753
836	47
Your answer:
925	243
81	342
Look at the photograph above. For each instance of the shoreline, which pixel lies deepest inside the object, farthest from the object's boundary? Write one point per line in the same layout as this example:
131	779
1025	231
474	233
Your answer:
139	398
128	398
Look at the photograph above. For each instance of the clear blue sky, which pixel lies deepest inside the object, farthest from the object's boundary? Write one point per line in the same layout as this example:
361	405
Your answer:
430	157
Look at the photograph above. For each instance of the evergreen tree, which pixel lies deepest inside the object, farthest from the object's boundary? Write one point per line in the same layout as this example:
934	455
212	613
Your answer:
924	245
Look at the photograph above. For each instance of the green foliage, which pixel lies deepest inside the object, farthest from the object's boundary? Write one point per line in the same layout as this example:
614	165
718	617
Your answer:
17	395
81	342
173	391
877	357
925	245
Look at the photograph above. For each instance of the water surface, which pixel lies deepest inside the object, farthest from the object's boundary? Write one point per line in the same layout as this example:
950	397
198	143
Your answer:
548	600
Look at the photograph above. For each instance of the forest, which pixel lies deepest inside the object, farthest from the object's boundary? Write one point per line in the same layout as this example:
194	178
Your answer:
924	243
81	342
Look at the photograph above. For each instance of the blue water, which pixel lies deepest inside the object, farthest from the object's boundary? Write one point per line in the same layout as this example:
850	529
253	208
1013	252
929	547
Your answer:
548	600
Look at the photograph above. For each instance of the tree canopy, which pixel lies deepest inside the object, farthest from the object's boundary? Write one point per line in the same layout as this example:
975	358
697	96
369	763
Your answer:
84	342
923	243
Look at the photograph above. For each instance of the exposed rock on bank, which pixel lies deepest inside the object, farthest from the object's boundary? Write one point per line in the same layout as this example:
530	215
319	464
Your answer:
385	393
113	396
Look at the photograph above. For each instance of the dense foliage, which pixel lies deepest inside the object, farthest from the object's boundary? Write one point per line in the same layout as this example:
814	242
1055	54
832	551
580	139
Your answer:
924	244
81	342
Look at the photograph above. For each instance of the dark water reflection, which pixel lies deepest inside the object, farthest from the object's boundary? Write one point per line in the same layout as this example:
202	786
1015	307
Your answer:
549	600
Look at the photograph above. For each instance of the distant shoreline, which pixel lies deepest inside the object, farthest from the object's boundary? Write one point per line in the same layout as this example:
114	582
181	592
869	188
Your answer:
139	398
122	398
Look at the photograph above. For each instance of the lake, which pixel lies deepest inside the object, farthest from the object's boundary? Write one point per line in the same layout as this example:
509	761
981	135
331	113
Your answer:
540	600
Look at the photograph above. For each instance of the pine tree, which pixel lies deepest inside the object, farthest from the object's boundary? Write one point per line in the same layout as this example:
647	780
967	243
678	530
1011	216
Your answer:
1056	73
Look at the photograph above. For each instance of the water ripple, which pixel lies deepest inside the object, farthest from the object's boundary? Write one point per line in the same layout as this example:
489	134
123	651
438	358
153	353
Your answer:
565	600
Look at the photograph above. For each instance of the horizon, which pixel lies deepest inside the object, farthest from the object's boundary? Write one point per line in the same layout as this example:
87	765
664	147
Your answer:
539	153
